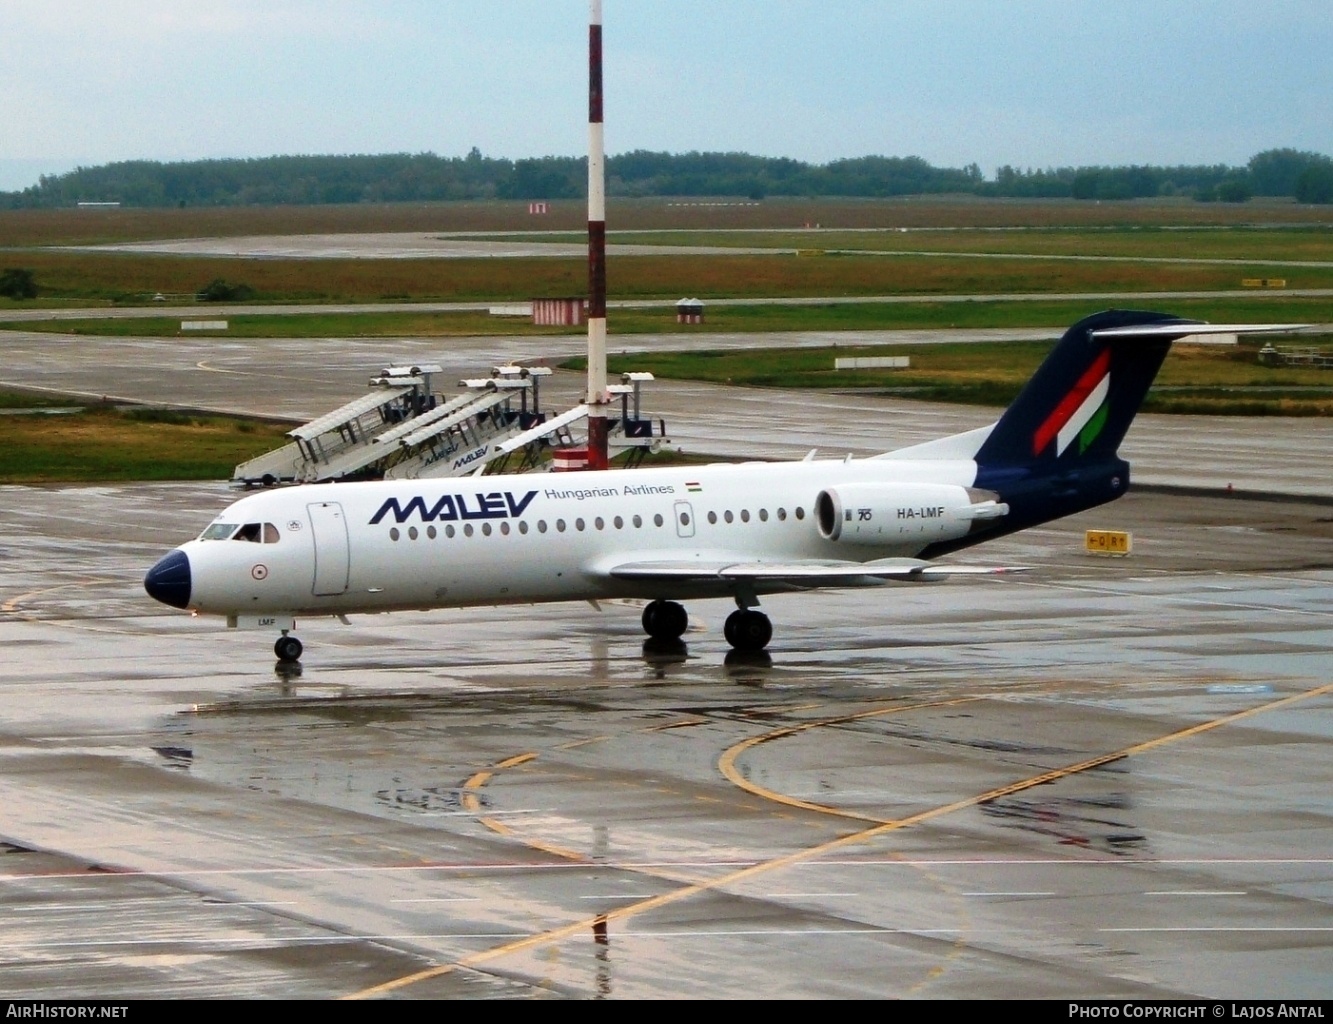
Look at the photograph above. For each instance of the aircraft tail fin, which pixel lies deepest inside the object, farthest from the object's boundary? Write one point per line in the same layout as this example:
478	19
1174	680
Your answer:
1054	451
1080	402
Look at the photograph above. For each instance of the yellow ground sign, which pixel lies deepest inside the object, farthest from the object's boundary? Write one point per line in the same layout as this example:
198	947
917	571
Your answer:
1108	542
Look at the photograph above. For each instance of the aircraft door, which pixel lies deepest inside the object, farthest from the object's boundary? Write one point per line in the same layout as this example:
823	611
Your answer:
684	519
332	555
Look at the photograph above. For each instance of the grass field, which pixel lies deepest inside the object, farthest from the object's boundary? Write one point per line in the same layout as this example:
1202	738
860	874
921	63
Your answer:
1254	234
1254	244
91	226
868	316
102	444
33	400
134	278
105	444
1218	379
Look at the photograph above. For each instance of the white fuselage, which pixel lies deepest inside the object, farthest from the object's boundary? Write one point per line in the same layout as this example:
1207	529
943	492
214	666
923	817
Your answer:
332	549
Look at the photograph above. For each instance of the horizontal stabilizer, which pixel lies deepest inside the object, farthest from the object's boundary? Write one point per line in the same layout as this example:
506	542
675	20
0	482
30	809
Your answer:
1185	329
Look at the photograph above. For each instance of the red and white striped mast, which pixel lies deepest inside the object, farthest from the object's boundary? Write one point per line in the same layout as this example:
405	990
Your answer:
598	399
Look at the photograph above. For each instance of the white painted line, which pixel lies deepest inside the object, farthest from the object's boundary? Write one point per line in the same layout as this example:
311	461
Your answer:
707	933
868	862
1010	894
804	895
1197	892
440	899
1275	928
270	942
624	896
118	904
274	942
479	812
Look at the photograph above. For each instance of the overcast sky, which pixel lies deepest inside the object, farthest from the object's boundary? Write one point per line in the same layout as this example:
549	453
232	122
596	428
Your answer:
1034	83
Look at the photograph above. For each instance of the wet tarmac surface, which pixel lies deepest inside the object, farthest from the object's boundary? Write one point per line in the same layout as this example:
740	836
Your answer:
1107	778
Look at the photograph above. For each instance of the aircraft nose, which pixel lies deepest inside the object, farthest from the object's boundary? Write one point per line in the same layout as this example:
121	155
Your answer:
169	580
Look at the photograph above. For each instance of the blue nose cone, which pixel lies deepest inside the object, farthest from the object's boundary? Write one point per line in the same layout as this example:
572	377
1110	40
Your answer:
169	580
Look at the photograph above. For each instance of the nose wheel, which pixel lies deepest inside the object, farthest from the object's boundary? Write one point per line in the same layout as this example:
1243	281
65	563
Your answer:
288	648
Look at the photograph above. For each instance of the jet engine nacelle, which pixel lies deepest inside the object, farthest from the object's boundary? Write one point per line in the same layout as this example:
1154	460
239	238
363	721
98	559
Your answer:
877	514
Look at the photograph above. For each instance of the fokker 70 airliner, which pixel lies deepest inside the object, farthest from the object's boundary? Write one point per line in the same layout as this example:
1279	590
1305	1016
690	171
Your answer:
674	533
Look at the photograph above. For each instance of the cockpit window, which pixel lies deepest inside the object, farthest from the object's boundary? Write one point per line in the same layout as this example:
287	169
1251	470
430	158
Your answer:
255	533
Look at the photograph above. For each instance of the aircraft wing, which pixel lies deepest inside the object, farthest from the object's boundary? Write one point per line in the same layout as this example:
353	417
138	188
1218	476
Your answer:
803	573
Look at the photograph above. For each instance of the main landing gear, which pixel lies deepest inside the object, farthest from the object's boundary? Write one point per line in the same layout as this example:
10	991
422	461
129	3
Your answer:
746	630
665	620
288	648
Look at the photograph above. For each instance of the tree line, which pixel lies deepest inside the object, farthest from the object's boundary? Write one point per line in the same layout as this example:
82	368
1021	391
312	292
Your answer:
403	177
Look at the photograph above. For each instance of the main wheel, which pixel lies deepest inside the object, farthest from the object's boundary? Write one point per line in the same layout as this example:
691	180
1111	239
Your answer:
729	627
288	648
665	620
748	630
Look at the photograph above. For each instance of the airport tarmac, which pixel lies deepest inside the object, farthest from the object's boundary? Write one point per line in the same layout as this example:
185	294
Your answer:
401	245
1106	778
512	244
